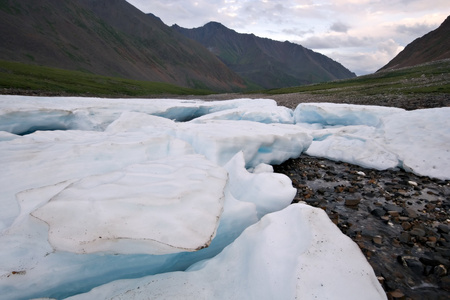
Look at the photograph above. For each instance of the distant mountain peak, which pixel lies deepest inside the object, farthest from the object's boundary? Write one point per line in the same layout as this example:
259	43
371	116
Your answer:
215	24
265	62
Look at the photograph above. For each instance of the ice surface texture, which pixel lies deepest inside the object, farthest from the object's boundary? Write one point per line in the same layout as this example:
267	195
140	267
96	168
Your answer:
100	190
380	137
297	253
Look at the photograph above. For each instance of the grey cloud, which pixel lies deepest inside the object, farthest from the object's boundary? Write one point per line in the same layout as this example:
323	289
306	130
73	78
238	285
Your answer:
416	29
360	63
389	47
275	12
331	42
339	27
298	32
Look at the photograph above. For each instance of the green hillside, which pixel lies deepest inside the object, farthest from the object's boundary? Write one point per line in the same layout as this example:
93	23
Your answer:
427	78
19	78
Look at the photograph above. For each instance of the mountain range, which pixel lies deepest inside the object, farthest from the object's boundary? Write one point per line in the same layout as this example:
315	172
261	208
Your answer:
433	46
113	38
264	62
107	37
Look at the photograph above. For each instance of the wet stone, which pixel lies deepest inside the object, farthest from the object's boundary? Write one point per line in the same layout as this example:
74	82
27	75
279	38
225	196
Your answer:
369	195
413	263
443	251
430	261
411	213
443	228
393	213
397	295
352	201
405	237
393	207
446	236
445	283
378	212
378	240
417	232
406	225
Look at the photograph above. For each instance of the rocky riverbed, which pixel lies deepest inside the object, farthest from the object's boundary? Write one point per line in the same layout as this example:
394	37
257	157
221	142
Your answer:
400	221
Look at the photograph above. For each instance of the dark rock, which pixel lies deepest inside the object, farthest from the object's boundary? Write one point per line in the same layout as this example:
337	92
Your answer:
413	263
443	228
369	195
312	201
429	261
445	283
416	231
428	270
443	251
369	232
411	213
405	237
393	207
446	236
378	212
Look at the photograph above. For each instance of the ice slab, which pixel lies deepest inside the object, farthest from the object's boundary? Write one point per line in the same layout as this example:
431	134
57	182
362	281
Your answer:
421	139
31	267
164	206
25	114
297	253
379	137
357	144
331	114
263	113
220	140
49	157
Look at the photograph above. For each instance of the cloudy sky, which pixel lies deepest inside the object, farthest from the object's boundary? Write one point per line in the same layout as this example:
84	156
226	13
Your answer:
363	35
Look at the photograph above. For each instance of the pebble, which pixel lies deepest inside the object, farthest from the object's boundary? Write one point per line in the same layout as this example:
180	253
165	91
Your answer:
443	228
352	201
417	232
378	212
397	294
440	270
378	239
411	213
405	237
406	225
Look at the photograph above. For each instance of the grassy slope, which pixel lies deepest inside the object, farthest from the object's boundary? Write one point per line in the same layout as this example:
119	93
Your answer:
426	78
24	78
422	82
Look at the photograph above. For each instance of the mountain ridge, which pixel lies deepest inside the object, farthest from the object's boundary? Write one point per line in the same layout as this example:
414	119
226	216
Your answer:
268	63
432	46
108	37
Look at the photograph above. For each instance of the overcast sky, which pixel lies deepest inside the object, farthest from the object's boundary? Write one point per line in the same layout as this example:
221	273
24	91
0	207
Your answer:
363	35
